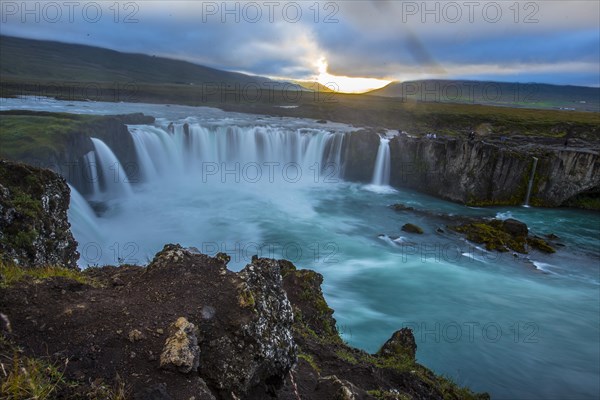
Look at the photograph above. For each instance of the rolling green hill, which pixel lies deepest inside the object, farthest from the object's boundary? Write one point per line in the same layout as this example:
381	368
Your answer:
538	95
63	71
36	60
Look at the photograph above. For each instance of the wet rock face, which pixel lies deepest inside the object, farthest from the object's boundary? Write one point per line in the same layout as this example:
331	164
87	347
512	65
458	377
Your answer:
359	155
484	173
515	227
34	229
181	349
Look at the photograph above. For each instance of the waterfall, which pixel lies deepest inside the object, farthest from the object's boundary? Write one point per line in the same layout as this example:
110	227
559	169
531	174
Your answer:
313	152
113	179
530	186
171	163
91	172
381	173
84	222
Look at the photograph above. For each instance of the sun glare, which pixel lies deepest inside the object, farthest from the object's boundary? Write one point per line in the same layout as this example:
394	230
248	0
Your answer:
346	84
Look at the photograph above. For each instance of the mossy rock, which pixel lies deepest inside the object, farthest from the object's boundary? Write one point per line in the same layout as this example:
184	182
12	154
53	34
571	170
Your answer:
502	236
313	316
540	244
402	343
34	229
412	228
492	234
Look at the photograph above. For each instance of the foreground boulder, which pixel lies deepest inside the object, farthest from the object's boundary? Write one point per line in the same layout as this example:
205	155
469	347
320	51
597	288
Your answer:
328	368
257	351
34	230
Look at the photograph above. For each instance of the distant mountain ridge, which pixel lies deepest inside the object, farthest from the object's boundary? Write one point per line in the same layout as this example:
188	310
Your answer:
495	93
28	59
23	61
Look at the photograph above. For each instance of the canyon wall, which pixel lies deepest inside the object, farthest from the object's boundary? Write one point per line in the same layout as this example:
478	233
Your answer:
480	172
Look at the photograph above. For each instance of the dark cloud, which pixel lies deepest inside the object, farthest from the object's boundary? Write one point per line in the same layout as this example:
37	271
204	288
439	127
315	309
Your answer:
378	39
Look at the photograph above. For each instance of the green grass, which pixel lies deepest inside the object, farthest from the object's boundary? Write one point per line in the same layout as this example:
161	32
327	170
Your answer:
450	119
310	360
246	298
37	135
31	378
11	274
344	354
508	94
388	395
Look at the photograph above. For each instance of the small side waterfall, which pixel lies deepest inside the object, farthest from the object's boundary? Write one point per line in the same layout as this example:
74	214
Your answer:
113	179
530	185
82	217
91	171
381	173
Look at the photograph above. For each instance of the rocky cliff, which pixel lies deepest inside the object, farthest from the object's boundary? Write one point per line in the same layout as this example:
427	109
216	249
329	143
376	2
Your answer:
359	155
483	171
34	230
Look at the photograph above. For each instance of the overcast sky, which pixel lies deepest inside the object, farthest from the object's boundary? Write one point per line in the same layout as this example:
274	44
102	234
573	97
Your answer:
539	41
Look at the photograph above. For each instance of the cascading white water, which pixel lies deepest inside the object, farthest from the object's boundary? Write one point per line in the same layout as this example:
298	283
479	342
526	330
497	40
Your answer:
530	185
84	222
381	173
91	171
188	170
114	179
310	153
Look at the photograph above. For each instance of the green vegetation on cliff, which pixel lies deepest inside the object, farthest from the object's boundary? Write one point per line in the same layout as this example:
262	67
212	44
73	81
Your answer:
43	136
37	134
34	229
28	378
11	274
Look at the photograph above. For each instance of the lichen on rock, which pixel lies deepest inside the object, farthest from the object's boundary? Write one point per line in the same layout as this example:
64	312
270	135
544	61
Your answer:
34	230
181	349
263	350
